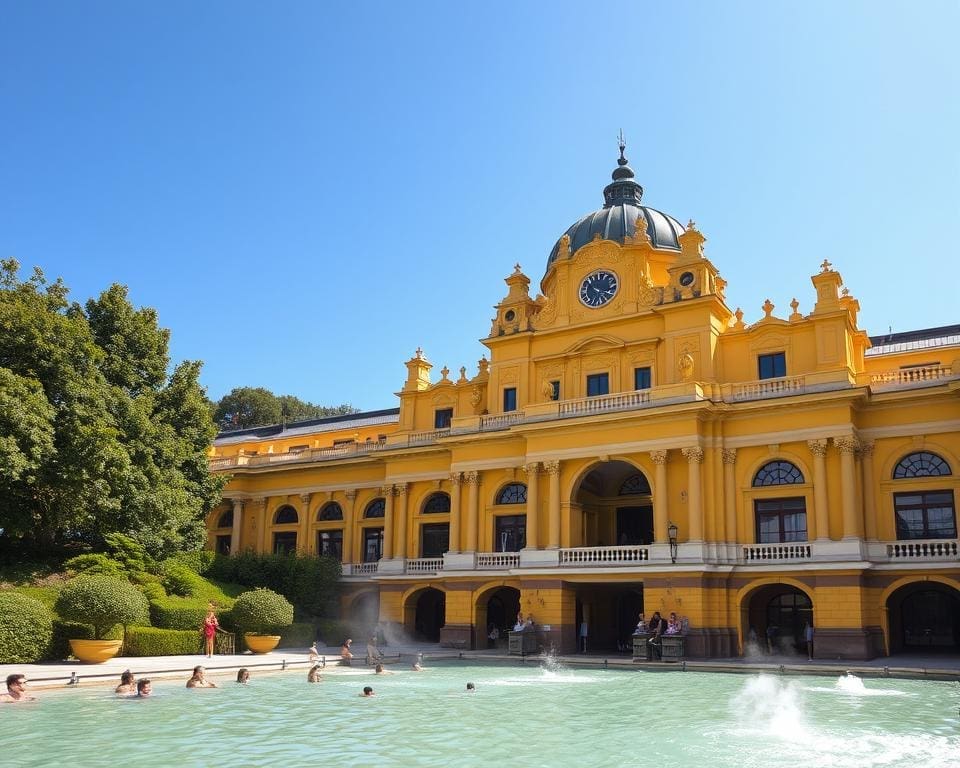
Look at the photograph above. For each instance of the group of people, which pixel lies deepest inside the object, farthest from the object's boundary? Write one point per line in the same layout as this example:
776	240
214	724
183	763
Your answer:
524	625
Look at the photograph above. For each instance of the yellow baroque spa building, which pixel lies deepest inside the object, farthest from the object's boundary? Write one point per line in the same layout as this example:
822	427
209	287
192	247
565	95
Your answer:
631	444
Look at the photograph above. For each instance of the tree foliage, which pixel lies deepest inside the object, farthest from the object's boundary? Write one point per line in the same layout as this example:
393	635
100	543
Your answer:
95	437
246	407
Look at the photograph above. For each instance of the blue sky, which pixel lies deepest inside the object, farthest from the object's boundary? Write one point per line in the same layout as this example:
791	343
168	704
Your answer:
307	192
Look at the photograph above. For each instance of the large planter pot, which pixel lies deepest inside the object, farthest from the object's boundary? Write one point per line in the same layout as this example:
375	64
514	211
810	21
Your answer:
261	643
95	651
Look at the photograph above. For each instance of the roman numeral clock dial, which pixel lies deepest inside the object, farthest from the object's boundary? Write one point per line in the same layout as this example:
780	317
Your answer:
598	288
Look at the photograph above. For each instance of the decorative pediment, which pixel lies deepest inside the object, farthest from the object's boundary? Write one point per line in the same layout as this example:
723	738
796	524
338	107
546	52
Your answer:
596	344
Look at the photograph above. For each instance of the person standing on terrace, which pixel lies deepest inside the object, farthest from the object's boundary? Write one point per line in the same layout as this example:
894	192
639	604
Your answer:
210	626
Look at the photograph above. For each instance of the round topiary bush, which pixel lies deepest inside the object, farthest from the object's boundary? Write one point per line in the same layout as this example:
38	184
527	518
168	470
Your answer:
102	601
262	612
26	629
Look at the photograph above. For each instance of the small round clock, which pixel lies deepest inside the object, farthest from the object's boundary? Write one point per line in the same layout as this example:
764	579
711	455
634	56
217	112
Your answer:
598	288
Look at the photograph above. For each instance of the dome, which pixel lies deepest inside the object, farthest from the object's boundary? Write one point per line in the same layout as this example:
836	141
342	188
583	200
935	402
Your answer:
617	219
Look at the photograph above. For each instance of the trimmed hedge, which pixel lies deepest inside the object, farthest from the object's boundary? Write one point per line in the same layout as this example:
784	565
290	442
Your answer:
333	631
26	629
102	601
300	634
262	612
174	613
150	641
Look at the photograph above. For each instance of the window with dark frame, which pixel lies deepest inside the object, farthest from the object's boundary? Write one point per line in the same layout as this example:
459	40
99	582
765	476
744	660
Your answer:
376	508
641	378
226	519
510	533
437	504
434	539
442	418
780	521
372	544
509	399
598	384
925	515
223	545
286	515
777	473
554	390
330	511
772	366
284	542
330	544
921	464
513	493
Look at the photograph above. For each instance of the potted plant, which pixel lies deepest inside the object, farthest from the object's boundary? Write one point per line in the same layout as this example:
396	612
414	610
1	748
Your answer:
260	614
103	602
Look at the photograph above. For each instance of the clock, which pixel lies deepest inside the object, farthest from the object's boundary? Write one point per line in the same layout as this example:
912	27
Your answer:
598	288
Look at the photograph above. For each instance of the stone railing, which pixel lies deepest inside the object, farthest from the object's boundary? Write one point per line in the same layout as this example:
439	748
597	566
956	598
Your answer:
776	552
499	561
926	550
593	556
906	377
310	454
225	462
425	438
587	406
361	569
424	565
764	388
492	423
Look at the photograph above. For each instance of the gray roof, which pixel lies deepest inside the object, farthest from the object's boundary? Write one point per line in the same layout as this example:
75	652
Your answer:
910	341
311	427
617	219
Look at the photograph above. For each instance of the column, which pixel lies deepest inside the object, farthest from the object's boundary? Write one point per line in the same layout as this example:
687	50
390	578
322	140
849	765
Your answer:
401	515
533	498
695	494
455	479
660	523
821	510
869	500
730	494
237	526
387	553
472	479
260	518
349	526
553	509
852	527
303	538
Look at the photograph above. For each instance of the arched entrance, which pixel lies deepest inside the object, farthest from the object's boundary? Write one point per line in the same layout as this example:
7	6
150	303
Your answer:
615	505
924	618
497	610
363	614
425	615
610	612
776	615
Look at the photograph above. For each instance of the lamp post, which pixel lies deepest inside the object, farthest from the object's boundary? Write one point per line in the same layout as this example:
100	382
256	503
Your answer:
672	535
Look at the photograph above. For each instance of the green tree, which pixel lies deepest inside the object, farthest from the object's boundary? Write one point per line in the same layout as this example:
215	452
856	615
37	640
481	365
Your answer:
246	407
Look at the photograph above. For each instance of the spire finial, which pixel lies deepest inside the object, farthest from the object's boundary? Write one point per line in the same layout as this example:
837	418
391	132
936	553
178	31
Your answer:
621	142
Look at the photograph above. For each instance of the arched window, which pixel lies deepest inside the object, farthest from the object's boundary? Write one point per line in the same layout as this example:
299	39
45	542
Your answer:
226	519
437	503
921	464
514	493
777	473
331	511
286	515
376	508
635	485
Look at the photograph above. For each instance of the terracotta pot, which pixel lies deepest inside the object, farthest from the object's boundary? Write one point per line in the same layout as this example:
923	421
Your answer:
261	643
95	651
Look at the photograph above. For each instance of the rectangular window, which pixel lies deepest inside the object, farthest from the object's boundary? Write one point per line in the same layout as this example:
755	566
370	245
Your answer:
554	390
509	399
285	543
372	544
772	366
345	441
223	545
781	521
442	417
510	533
641	378
330	544
925	515
434	540
598	384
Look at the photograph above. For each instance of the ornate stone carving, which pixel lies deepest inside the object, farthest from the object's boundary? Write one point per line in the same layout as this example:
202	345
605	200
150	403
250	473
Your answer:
768	308
694	455
476	396
729	455
351	494
305	498
846	444
685	366
509	375
259	501
552	467
866	448
401	489
563	247
532	469
658	457
818	447
455	478
471	477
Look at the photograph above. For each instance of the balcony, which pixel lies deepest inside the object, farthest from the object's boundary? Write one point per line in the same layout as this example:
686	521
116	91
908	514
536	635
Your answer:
780	553
910	378
424	565
920	551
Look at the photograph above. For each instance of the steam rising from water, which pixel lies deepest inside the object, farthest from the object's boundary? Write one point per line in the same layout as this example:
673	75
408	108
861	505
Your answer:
771	706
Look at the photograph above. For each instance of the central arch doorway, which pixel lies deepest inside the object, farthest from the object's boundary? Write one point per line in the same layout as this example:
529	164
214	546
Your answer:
776	615
924	618
497	611
425	615
616	506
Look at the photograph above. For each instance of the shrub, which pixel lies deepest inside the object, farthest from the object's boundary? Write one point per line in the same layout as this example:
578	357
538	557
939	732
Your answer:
129	552
26	629
262	612
94	564
153	591
298	635
333	631
179	613
199	562
63	633
150	641
180	580
102	601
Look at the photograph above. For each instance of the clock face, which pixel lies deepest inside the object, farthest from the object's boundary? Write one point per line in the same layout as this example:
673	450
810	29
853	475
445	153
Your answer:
598	288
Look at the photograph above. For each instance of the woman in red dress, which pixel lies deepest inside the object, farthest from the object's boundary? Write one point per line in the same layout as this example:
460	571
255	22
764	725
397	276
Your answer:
210	625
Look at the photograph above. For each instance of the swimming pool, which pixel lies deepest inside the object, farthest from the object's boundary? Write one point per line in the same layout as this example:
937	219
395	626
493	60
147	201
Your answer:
524	715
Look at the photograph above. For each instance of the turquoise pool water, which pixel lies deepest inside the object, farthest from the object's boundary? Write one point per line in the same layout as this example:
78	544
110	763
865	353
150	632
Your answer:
523	715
